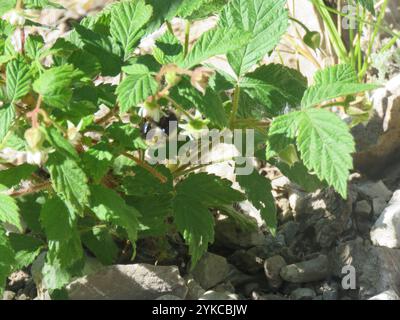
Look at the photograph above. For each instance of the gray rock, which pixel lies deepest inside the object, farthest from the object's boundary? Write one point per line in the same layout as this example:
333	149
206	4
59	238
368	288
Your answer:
307	271
290	230
378	205
377	268
302	294
236	277
214	295
18	280
224	287
210	270
8	295
270	297
169	297
229	235
377	142
129	282
272	268
371	190
363	208
329	291
195	291
285	212
246	261
387	295
386	231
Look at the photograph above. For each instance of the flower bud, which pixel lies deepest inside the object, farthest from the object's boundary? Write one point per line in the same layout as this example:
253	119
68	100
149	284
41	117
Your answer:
312	39
172	78
38	158
15	17
200	78
34	137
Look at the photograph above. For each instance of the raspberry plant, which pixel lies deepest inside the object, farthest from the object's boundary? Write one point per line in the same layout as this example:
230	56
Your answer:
75	183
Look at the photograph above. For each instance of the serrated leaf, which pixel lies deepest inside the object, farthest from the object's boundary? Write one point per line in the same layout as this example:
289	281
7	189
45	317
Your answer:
54	85
126	136
18	79
368	4
41	4
136	88
9	211
7	116
259	192
102	46
168	50
162	11
101	244
34	46
127	21
331	83
199	9
7	259
144	184
209	104
62	145
267	20
326	146
215	42
275	86
110	207
69	180
209	189
196	224
64	245
26	249
97	161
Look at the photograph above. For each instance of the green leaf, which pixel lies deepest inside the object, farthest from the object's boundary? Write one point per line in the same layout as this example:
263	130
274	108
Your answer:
275	86
9	211
34	46
97	161
13	176
69	180
267	20
54	85
162	11
168	50
7	259
26	249
215	42
136	88
209	189
196	224
126	136
326	146
100	242
62	145
41	4
127	21
110	207
209	104
103	47
324	142
144	184
259	192
331	83
64	245
199	9
18	79
7	116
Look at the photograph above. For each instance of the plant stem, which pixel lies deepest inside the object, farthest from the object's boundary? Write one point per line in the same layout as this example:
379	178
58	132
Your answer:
30	190
334	35
187	39
235	106
169	26
147	167
372	40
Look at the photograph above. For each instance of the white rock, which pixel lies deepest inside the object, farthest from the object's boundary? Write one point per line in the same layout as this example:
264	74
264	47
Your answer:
129	282
214	295
386	231
387	295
